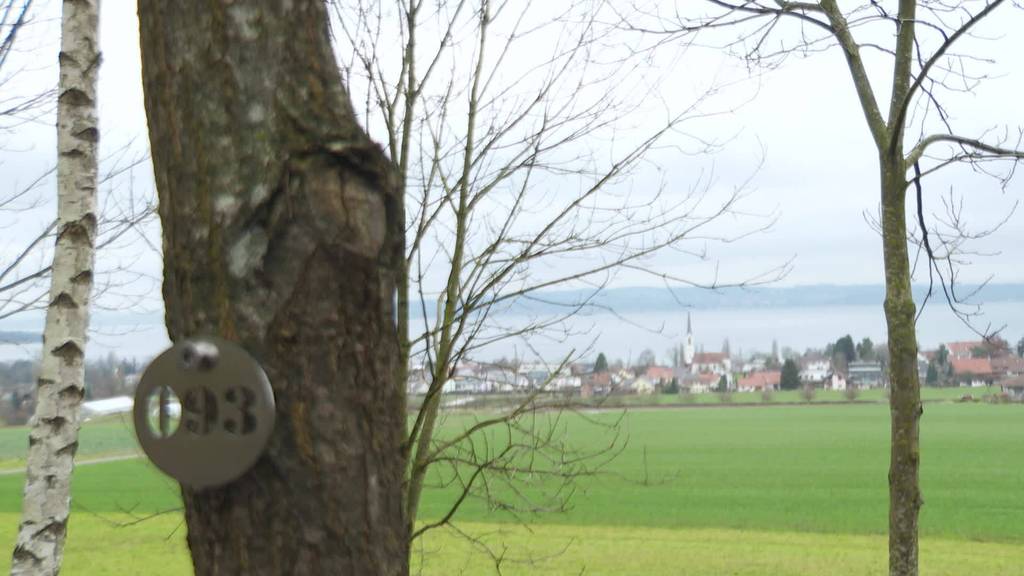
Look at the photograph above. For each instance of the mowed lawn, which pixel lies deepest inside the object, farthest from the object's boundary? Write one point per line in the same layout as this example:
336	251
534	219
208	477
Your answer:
729	490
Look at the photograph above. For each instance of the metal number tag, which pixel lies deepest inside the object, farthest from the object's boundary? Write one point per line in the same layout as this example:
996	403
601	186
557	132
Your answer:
204	411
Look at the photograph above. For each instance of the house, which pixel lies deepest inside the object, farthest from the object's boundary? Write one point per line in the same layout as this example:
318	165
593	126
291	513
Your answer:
504	380
550	377
814	369
418	382
864	374
760	381
836	381
466	369
961	350
922	366
581	368
755	365
621	377
466	385
1014	387
973	372
595	383
597	379
700	383
659	374
712	362
643	386
1008	365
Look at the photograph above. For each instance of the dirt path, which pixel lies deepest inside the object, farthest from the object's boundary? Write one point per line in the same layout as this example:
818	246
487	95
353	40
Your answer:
101	460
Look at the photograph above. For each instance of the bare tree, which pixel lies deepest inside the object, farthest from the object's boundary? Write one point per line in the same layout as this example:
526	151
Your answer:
27	255
911	131
517	165
53	439
282	232
25	271
16	107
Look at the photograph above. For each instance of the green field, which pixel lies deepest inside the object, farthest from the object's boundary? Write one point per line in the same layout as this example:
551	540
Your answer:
110	436
873	395
730	490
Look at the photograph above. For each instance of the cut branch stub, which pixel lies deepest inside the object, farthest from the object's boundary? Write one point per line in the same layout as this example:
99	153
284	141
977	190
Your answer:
226	411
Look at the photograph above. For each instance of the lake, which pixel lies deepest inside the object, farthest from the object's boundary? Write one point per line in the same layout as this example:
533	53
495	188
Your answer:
747	329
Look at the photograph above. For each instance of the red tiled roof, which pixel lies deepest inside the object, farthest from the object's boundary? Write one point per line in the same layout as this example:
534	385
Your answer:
1008	365
708	378
660	373
963	348
761	379
709	357
701	377
976	366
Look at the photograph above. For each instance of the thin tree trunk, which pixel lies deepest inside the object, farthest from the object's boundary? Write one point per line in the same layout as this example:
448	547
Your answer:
905	392
421	456
53	439
283	232
905	389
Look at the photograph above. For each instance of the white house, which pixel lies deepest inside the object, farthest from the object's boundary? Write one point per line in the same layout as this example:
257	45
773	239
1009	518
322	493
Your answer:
643	386
815	371
701	383
711	362
755	365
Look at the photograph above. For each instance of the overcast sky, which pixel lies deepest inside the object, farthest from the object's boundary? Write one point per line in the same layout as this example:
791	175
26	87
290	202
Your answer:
819	172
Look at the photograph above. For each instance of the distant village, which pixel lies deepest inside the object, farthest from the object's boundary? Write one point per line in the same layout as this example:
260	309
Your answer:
843	365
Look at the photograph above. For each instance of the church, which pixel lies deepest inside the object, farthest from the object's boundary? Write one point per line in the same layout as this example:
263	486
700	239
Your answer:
703	363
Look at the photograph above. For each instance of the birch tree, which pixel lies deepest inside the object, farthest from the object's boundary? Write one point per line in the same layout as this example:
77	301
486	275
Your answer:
282	232
53	439
914	137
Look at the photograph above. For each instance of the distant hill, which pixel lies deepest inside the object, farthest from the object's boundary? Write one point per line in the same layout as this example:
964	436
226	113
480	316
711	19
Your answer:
20	338
628	300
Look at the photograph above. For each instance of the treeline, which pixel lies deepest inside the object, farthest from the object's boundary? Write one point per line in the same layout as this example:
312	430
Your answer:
104	378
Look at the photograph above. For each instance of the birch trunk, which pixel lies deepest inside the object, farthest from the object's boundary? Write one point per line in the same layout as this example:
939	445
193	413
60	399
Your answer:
53	439
282	231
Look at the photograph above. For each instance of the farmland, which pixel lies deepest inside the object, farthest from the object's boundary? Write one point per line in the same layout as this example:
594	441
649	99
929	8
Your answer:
783	489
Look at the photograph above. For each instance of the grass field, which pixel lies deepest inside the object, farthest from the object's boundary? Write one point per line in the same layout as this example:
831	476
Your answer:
734	490
110	436
877	395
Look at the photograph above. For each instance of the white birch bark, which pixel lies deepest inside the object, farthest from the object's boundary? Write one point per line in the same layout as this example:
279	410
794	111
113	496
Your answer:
53	439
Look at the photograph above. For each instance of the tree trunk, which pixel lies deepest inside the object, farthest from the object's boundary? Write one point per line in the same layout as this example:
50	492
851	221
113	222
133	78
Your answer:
905	389
53	439
282	231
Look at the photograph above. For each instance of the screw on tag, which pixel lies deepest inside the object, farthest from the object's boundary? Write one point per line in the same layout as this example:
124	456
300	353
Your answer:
204	411
199	355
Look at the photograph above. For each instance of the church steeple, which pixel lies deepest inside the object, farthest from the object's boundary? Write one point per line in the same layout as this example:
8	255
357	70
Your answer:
688	348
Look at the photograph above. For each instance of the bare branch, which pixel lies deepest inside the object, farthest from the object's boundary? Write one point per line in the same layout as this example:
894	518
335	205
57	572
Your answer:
989	150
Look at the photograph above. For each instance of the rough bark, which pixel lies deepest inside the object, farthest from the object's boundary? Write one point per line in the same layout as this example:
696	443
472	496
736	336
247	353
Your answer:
282	231
53	439
905	388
